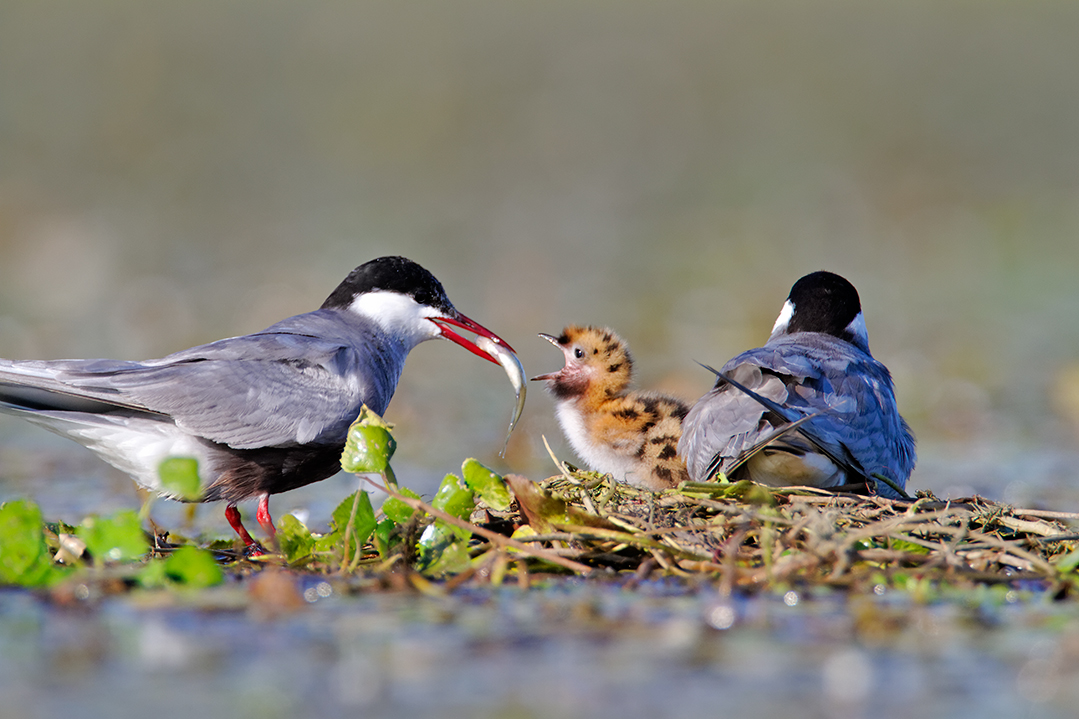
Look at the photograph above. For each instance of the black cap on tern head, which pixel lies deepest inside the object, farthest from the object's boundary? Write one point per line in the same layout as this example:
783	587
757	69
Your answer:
823	302
392	274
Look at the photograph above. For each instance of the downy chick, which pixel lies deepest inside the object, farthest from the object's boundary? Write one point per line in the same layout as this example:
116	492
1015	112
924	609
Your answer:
631	435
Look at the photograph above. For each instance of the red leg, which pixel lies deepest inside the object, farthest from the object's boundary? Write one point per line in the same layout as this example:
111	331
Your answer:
263	516
233	515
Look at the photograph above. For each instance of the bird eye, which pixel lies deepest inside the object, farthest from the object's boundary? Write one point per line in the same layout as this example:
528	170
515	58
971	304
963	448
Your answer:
578	353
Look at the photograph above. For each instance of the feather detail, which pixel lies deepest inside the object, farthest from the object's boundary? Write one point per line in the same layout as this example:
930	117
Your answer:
630	434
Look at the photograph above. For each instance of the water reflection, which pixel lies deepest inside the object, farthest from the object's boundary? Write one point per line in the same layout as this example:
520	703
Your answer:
569	650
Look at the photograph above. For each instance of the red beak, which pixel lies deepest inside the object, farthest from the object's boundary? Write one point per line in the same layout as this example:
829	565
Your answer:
476	328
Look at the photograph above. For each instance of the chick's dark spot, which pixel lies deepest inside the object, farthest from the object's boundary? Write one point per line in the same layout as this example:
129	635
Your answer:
663	473
628	413
615	367
679	412
563	339
668	452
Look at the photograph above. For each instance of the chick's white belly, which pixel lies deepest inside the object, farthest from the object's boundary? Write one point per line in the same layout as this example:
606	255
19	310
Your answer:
598	456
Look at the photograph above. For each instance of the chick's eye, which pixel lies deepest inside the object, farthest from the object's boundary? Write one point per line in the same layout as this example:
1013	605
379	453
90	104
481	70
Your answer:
578	353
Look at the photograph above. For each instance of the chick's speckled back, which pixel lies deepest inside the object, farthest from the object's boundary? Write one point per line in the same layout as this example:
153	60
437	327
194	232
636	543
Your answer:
630	434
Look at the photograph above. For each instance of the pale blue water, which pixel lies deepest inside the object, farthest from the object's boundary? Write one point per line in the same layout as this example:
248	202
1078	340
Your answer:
570	650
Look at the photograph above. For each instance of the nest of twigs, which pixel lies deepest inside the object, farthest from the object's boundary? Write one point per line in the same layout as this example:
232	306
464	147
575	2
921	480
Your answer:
752	538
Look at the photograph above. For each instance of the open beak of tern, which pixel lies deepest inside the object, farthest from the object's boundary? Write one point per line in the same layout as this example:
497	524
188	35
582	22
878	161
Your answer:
474	327
544	377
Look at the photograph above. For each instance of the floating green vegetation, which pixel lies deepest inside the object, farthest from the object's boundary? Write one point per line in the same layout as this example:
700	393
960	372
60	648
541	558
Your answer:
483	527
113	548
25	558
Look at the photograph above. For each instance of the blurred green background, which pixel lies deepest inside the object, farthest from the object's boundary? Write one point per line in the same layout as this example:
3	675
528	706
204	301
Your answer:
172	173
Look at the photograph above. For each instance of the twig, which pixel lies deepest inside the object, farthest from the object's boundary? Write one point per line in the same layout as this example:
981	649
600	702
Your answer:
1058	538
348	531
625	537
585	496
1027	526
1047	514
550	537
487	534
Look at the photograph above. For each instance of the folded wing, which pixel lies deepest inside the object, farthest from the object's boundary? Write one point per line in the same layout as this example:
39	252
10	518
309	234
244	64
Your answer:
809	373
276	388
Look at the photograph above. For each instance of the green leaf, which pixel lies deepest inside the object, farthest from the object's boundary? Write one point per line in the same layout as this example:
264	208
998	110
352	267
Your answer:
369	446
397	510
193	567
24	556
750	492
1068	562
355	518
153	575
295	539
454	497
180	478
118	538
188	566
383	534
328	542
902	545
544	509
488	484
443	549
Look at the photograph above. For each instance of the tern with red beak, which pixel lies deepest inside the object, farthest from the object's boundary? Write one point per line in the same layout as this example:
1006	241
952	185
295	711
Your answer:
262	413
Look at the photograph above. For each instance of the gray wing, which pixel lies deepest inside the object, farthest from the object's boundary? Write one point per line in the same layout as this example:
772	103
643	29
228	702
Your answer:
273	388
811	373
723	423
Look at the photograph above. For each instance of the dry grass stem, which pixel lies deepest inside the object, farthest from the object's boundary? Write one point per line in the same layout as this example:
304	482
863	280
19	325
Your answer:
751	537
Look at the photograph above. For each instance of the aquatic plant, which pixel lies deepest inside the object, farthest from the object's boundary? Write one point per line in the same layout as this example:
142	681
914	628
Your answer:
484	527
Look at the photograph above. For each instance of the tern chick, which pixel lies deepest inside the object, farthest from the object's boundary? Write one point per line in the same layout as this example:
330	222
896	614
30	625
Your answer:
629	434
262	413
811	407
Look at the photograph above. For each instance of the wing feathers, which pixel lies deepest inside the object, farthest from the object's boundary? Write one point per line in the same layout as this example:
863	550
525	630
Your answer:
857	425
274	388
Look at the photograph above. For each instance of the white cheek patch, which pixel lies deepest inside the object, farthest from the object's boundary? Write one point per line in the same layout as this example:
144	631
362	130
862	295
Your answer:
784	319
857	329
397	314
